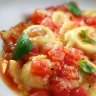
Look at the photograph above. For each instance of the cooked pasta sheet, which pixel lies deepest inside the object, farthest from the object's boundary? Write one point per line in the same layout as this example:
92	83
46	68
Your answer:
51	53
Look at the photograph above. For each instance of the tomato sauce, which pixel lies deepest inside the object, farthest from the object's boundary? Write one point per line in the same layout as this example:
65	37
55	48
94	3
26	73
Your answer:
64	70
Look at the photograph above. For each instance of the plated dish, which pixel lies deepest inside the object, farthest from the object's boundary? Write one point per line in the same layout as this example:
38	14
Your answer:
51	53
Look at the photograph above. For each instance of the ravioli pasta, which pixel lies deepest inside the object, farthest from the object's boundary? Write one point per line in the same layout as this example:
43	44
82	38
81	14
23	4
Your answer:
92	90
24	74
90	12
73	38
40	34
34	81
59	17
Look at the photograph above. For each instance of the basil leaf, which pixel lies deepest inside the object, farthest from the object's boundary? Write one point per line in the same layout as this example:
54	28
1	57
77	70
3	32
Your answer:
85	67
73	8
85	38
23	46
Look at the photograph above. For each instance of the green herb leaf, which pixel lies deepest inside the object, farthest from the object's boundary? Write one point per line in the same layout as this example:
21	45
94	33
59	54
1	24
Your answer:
85	38
23	46
85	67
73	8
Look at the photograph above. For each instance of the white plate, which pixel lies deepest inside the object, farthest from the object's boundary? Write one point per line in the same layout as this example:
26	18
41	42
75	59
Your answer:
13	11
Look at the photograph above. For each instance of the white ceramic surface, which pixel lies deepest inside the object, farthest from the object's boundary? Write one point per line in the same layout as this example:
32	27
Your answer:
13	11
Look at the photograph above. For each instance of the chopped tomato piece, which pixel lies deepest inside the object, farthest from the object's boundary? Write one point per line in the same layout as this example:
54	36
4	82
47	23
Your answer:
46	48
78	20
38	16
49	23
19	28
69	72
40	67
68	60
79	92
57	54
9	47
72	52
13	38
71	56
40	93
76	53
35	50
91	21
60	89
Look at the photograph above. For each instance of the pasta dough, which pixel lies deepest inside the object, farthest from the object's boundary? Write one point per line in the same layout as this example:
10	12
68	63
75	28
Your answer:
72	38
92	90
40	34
23	74
90	13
